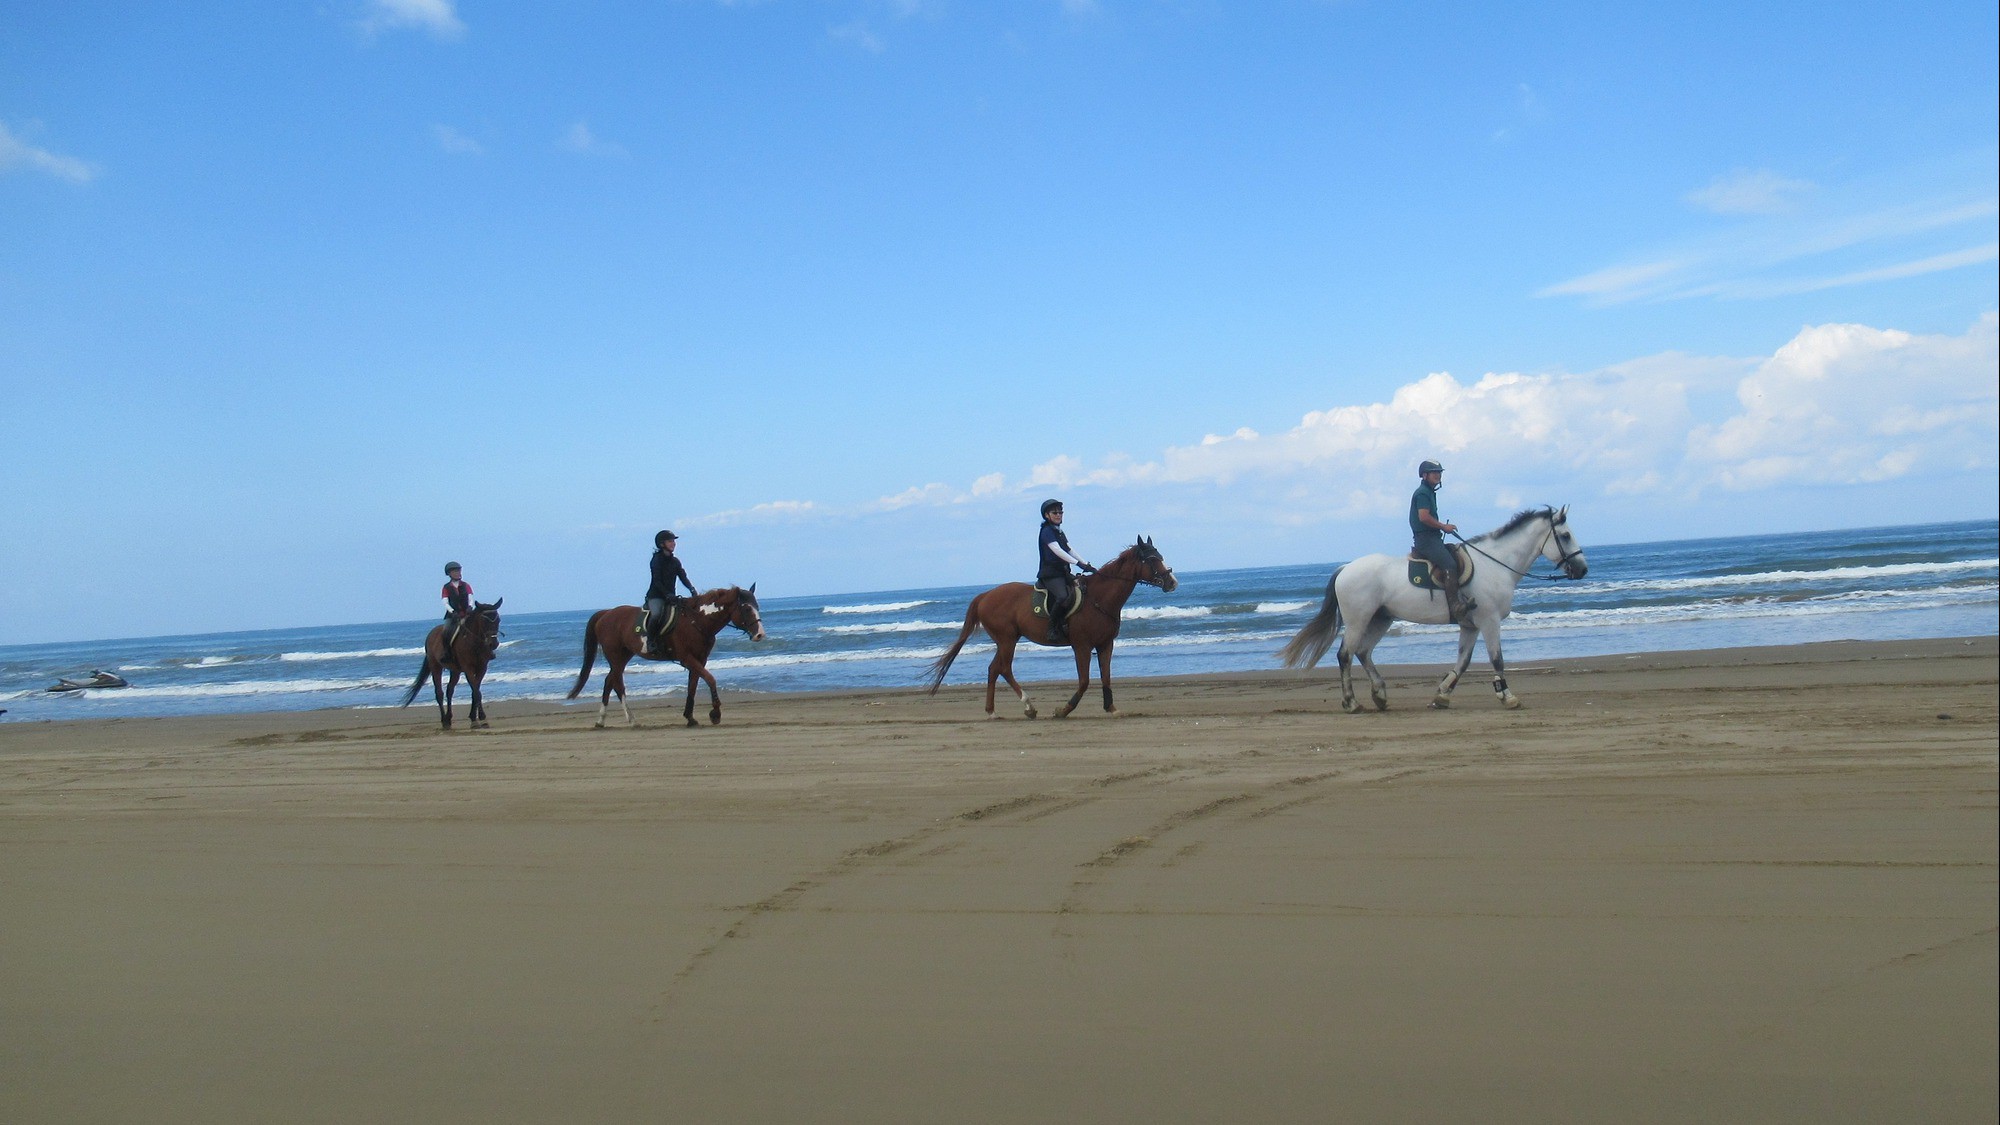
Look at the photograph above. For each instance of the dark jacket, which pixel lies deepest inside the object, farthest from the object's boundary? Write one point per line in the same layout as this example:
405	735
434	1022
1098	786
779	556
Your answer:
1050	563
666	570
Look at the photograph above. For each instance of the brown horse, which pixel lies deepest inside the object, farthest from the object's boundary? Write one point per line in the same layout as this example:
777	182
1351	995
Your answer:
689	642
474	647
1006	612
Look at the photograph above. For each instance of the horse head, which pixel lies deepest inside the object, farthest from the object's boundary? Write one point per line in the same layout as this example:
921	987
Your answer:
485	617
1152	566
745	615
1561	547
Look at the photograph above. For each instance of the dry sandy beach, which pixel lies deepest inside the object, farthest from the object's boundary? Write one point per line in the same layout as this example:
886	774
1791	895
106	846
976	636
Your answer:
1750	885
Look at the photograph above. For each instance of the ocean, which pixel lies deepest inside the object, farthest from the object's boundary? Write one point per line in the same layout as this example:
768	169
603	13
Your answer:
1938	580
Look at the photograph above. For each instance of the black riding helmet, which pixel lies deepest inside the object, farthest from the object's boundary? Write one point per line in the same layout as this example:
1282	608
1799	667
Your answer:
451	566
661	539
1051	506
1429	467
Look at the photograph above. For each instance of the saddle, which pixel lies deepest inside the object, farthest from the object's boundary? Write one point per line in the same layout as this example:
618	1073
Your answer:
1041	603
666	627
1424	576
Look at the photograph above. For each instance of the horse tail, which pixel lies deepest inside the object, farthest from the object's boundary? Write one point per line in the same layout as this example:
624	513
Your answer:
1312	642
935	673
423	673
589	653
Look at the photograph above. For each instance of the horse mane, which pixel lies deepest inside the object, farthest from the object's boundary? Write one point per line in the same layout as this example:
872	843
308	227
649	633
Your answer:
1514	522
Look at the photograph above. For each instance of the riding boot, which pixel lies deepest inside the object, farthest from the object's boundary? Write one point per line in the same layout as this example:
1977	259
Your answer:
1456	600
1058	628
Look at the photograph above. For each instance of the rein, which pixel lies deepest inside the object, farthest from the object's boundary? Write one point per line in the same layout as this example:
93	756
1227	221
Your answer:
1561	576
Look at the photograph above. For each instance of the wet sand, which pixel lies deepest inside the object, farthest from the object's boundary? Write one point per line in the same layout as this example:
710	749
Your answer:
1749	885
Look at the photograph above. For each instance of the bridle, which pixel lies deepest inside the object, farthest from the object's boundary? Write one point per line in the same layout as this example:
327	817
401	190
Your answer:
1562	562
1150	556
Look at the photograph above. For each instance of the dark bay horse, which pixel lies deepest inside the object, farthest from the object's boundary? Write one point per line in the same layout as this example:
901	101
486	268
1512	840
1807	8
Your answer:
471	651
1006	612
692	638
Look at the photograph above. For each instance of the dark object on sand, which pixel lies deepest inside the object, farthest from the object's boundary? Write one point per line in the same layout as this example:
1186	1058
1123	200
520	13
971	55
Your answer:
97	680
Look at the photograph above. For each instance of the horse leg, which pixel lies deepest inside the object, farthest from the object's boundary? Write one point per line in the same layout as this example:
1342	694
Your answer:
614	680
687	708
450	690
1467	637
1346	657
1501	692
1002	667
1082	682
714	699
1378	688
478	705
437	693
1104	674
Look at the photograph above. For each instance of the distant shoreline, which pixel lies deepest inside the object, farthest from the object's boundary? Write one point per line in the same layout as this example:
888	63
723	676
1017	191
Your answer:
1473	688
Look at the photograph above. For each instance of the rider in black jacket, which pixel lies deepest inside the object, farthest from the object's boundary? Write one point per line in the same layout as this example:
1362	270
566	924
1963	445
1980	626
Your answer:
666	571
1052	572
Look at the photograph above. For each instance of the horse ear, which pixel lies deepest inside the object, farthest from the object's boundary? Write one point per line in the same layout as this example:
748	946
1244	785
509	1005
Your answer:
753	587
497	601
1563	515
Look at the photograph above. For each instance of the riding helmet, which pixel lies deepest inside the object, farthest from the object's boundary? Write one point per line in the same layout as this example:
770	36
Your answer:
662	537
1050	506
451	566
1429	467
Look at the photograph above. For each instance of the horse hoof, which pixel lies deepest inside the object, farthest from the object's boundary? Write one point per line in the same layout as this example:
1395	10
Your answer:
1441	703
1381	702
1113	713
1351	706
1030	712
597	726
715	720
694	722
1511	701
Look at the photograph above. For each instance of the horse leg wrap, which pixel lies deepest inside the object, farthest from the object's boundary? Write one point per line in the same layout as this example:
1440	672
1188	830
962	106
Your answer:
1500	685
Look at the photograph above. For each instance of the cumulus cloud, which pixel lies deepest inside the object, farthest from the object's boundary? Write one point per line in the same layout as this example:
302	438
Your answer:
1838	404
439	17
17	153
1849	404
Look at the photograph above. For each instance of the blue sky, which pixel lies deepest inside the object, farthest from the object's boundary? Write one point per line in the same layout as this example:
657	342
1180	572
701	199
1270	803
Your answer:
297	301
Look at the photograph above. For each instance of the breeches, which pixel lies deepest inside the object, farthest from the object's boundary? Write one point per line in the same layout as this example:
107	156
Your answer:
1058	586
1439	556
656	614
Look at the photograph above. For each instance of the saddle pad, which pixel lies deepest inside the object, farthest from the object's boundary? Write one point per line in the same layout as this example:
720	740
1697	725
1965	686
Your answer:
1424	576
1041	604
673	615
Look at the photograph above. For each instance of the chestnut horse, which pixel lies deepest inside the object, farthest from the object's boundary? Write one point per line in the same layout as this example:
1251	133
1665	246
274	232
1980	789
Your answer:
1006	612
474	647
692	638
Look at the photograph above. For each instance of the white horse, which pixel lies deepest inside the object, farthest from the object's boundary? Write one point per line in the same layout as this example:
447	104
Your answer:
1374	591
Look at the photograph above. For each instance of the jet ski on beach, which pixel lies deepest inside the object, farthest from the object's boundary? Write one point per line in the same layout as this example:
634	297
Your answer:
97	680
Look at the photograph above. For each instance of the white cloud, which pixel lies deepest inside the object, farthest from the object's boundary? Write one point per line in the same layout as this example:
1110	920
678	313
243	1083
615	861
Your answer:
857	35
578	138
453	141
439	17
1787	226
1839	404
17	153
1849	404
1746	192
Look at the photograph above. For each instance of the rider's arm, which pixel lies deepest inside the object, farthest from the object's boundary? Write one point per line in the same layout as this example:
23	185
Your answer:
1430	520
1056	549
688	582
